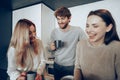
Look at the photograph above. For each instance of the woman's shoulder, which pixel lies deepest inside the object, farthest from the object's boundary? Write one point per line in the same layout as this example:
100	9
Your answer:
11	48
115	45
83	41
40	42
38	39
11	51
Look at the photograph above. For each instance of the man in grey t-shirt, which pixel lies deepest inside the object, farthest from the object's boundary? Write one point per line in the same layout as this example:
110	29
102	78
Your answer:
70	35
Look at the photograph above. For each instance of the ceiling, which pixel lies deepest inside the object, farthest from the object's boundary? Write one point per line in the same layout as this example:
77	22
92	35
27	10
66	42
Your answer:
53	4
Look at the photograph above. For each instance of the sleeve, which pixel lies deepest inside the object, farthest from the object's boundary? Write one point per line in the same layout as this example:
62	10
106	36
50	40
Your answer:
117	62
11	70
41	66
77	70
77	59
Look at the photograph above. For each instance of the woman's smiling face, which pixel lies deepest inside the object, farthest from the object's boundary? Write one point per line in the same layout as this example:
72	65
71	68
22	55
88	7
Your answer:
96	29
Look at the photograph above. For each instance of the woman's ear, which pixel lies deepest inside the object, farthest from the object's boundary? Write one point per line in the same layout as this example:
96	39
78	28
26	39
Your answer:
109	27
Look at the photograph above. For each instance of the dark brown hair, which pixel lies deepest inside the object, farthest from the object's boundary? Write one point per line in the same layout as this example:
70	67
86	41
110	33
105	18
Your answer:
108	19
62	11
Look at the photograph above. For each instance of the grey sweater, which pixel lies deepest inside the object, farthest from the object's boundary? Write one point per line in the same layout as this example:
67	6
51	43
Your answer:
66	55
100	62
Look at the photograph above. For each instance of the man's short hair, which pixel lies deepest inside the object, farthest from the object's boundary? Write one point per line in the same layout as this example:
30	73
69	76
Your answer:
62	11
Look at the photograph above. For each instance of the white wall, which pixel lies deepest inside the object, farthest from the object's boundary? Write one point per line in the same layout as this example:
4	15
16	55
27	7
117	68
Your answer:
47	23
32	13
43	18
41	15
79	13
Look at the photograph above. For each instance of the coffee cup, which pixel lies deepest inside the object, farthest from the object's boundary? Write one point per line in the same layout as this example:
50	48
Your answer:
31	75
58	44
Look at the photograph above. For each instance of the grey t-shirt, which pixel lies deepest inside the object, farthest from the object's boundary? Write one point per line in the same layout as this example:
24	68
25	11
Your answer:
66	55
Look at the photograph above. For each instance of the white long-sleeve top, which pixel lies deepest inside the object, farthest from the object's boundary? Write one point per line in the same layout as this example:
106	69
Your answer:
38	61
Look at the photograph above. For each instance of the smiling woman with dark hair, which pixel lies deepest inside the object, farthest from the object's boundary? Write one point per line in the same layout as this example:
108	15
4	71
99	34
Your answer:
98	57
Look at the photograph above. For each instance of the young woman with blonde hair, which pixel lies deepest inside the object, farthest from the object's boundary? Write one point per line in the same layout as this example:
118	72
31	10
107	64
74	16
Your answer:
25	52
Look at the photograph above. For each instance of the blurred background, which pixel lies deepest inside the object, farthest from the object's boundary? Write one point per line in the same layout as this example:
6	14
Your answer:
41	12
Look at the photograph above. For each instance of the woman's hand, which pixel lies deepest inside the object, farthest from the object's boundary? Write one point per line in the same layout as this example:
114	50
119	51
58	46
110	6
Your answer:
38	77
22	76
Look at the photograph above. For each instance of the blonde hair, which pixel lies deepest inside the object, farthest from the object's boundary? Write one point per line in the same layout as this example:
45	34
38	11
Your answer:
21	42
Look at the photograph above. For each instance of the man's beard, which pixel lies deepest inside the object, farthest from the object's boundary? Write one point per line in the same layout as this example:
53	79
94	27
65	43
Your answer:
65	26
